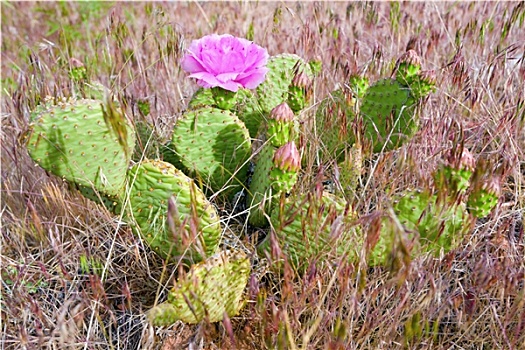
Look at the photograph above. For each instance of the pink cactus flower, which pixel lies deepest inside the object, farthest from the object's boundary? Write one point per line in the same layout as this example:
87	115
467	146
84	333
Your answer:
226	61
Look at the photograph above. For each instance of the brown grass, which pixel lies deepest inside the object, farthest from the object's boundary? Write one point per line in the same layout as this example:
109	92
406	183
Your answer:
472	298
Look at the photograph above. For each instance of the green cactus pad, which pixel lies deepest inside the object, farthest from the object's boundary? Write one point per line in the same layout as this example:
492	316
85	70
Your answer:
72	140
249	111
454	181
151	184
210	290
260	193
388	113
247	107
440	223
309	227
112	203
214	146
274	90
481	202
201	98
333	124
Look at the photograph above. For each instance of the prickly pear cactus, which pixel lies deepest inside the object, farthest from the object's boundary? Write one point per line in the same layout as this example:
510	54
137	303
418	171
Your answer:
189	228
483	197
246	108
274	90
214	146
313	226
224	99
201	98
408	68
438	223
299	92
389	115
333	124
249	111
210	290
87	142
408	73
282	125
453	175
275	173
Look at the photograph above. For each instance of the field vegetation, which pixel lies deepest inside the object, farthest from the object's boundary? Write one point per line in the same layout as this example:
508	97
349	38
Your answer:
74	276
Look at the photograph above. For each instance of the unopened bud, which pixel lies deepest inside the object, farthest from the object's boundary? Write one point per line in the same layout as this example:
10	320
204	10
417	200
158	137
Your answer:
287	157
410	57
282	113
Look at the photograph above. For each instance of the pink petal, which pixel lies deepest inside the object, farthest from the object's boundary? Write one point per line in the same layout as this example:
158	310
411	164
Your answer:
191	65
254	79
224	77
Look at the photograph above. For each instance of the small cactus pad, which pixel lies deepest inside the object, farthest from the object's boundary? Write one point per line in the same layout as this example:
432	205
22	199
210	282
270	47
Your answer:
214	146
260	193
453	175
84	142
274	90
408	67
312	227
210	290
201	98
196	228
440	223
247	108
249	111
483	198
388	113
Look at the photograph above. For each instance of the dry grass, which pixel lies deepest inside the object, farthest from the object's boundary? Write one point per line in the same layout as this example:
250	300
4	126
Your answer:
472	298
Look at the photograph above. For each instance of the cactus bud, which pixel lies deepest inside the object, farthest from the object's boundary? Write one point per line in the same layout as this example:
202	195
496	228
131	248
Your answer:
299	91
282	113
358	85
424	83
287	162
78	71
287	157
316	65
454	176
280	125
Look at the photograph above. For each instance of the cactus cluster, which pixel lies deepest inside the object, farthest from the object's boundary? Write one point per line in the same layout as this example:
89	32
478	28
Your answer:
165	201
438	218
90	144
